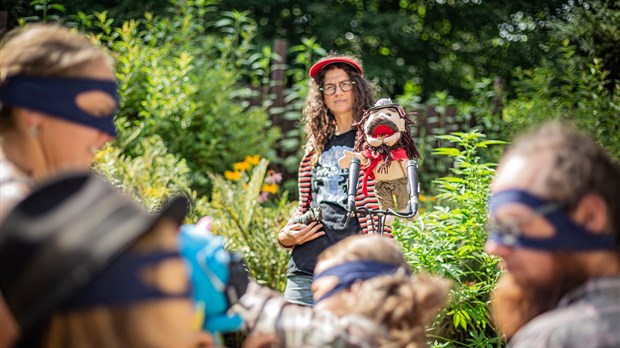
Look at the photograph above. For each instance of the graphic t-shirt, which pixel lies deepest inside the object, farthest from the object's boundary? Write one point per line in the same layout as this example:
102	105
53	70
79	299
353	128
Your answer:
329	187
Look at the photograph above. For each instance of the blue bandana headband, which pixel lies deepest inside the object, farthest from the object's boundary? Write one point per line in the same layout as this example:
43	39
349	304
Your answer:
121	283
350	272
568	235
56	96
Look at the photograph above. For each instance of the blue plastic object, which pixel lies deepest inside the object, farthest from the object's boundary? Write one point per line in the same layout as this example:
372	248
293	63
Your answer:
208	262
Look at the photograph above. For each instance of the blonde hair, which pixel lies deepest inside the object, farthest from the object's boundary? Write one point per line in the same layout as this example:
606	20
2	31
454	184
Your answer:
400	302
45	50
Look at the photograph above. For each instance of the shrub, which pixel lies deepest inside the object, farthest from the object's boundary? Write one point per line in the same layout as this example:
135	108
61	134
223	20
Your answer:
250	226
448	240
151	178
181	83
572	89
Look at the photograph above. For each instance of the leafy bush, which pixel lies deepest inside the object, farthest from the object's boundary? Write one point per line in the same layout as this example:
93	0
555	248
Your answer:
181	83
250	226
448	240
577	92
151	178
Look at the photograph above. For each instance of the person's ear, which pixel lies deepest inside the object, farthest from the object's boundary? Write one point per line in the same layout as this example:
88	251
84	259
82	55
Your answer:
591	212
32	119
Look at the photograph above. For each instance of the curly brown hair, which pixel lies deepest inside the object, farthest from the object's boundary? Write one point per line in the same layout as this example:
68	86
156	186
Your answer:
402	303
319	121
406	141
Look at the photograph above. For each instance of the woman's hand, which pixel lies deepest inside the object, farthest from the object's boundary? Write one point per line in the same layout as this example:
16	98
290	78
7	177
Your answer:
297	234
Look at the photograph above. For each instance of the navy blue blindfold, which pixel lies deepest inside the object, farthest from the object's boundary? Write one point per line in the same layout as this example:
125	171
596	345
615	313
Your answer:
568	234
121	283
350	272
56	96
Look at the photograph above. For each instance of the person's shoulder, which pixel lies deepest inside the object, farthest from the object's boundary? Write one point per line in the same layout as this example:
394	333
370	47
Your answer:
14	186
352	331
579	325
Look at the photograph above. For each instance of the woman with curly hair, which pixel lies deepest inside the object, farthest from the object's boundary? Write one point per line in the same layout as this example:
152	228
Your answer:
368	276
337	98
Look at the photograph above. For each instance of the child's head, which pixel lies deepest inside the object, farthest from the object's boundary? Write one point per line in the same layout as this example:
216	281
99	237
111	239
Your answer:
368	275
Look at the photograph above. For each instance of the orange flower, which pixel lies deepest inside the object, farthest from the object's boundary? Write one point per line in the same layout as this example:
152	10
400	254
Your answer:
242	166
232	176
252	160
271	188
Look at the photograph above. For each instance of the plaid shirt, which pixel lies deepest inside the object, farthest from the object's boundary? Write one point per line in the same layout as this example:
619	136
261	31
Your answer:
265	312
586	317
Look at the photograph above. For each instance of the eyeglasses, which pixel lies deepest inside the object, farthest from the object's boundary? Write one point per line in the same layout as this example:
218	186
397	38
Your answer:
330	88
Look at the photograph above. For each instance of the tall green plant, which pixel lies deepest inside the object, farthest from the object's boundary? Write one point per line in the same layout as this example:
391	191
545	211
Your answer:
249	226
448	241
46	11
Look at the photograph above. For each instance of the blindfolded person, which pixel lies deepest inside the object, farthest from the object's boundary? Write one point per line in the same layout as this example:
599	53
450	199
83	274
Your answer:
83	266
365	296
555	212
58	97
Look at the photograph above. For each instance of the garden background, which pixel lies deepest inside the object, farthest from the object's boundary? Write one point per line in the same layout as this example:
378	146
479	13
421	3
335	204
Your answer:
212	91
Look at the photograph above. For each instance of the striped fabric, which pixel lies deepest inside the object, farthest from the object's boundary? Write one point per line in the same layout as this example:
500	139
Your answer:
361	201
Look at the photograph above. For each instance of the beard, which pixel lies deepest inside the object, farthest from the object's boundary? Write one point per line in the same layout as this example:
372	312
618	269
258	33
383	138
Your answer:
514	303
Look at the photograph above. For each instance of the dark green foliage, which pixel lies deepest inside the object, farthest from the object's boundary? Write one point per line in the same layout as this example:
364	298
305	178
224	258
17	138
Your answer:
570	88
434	45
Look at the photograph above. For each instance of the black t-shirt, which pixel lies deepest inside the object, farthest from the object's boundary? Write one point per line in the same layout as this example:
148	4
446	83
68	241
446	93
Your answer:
329	188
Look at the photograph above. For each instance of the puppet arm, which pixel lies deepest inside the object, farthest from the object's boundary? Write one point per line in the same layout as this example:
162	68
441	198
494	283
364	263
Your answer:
345	161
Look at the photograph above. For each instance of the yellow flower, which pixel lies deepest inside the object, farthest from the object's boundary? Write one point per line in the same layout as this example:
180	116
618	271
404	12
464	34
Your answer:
271	188
232	176
241	166
102	153
252	160
424	198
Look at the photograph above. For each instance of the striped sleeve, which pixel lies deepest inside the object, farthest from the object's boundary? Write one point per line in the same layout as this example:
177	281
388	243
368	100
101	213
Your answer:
304	178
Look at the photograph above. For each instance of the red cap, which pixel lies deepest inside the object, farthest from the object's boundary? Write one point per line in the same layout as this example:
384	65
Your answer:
323	63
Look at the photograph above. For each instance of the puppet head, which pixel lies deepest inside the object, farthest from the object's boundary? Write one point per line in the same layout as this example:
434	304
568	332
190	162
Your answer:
385	126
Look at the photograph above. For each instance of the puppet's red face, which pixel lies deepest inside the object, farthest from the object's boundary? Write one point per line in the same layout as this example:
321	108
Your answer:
384	126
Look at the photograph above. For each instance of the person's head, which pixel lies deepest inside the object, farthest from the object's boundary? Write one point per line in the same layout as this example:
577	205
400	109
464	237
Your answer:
555	206
368	275
58	96
337	88
83	266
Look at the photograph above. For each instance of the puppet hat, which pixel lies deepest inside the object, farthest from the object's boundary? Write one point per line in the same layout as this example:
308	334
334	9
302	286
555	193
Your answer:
60	238
382	104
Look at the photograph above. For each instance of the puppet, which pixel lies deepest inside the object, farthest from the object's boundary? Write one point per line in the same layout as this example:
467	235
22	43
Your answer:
383	151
